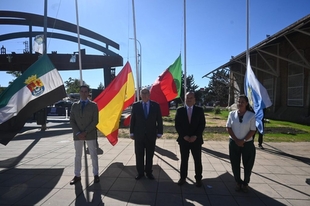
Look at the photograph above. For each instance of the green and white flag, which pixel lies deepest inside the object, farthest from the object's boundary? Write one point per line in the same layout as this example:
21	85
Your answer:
38	87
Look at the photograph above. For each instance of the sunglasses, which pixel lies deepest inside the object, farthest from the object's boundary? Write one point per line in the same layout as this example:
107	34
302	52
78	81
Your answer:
240	119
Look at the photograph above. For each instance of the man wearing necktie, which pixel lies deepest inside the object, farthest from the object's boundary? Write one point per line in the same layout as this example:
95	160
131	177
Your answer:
146	125
84	119
190	123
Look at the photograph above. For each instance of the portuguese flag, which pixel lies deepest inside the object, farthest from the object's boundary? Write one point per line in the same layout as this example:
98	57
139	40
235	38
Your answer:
167	86
38	87
113	101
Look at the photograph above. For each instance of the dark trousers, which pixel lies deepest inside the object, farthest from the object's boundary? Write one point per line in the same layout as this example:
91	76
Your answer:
195	149
247	152
260	139
143	147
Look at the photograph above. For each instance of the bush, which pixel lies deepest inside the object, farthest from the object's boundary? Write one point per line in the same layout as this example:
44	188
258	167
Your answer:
217	110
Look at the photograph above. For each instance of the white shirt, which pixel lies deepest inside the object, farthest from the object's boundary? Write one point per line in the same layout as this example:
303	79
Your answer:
241	129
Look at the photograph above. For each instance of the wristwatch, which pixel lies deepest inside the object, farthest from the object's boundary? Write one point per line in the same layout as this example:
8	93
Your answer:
244	140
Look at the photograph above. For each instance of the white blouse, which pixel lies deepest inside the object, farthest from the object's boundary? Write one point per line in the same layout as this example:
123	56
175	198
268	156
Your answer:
241	127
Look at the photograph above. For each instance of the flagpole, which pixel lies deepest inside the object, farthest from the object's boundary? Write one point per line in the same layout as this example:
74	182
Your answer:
136	54
81	82
247	32
79	47
184	49
45	28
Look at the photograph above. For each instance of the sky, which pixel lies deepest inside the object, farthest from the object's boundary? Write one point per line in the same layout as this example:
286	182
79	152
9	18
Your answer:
215	31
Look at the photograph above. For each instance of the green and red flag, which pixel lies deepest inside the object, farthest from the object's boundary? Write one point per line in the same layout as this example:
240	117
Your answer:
167	86
38	87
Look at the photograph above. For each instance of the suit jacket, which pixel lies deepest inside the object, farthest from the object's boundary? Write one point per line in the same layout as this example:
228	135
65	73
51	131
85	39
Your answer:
150	126
84	121
195	128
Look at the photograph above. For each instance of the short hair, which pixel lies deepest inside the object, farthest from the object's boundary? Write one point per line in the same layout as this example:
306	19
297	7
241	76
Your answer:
85	86
190	92
144	89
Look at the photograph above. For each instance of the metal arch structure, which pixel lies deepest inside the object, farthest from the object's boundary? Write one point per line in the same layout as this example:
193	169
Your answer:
20	62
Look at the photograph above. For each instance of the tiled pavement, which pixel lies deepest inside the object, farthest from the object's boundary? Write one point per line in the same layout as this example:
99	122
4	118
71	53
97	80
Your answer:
36	167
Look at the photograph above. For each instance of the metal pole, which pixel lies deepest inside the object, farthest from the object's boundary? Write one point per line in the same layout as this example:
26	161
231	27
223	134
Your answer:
135	37
140	63
45	28
184	49
247	32
78	36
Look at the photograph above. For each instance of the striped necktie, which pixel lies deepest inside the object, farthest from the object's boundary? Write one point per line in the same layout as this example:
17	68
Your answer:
189	114
145	109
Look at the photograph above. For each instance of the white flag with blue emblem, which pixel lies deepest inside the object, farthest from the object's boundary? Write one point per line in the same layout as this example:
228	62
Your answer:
38	45
257	95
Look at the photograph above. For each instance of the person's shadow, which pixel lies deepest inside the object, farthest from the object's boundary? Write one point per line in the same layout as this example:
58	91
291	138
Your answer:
117	182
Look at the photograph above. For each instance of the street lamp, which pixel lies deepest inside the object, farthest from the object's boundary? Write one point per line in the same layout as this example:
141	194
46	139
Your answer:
140	64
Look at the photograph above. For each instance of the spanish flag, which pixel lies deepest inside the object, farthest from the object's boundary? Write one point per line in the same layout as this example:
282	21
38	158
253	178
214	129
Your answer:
113	100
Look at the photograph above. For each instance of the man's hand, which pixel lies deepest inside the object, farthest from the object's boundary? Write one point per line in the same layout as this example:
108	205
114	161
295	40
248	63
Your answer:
186	138
240	142
82	136
192	138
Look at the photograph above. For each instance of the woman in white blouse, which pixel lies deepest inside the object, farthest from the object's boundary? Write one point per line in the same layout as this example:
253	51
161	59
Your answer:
241	128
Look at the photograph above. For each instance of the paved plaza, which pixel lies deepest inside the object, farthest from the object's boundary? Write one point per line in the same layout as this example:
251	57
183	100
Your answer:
36	168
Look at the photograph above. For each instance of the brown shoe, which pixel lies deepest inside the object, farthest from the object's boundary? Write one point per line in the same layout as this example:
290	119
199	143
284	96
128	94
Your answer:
75	180
96	179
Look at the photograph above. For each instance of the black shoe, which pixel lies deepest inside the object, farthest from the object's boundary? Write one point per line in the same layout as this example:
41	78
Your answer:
198	183
181	182
96	179
75	180
139	177
238	188
245	188
261	146
150	176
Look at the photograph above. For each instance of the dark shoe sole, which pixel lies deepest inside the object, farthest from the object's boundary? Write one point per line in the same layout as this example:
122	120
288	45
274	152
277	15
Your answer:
75	180
139	177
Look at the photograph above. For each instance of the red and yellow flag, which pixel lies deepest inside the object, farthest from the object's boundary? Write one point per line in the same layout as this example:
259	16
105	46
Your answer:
113	100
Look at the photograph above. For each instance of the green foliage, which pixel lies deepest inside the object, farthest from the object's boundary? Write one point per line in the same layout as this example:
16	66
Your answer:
15	74
217	110
73	85
101	86
218	88
2	89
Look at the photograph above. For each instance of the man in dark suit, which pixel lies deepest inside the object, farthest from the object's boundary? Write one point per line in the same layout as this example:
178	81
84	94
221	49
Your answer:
83	119
190	123
146	125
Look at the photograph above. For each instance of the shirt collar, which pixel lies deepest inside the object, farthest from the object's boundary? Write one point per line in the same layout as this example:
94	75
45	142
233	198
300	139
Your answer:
189	107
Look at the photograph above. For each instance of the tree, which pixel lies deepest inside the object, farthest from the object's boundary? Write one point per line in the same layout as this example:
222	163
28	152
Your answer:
190	86
101	86
73	85
218	88
15	74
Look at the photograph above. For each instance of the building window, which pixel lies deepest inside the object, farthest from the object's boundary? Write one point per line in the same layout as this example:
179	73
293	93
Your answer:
295	84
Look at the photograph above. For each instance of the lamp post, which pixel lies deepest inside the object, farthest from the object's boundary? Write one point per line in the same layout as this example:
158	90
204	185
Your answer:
140	64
